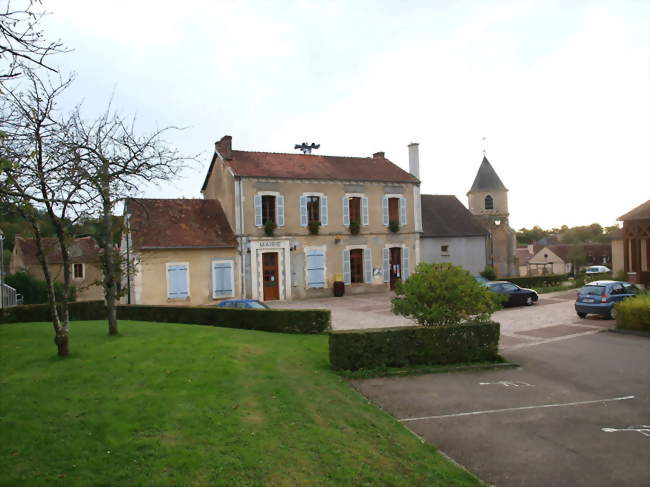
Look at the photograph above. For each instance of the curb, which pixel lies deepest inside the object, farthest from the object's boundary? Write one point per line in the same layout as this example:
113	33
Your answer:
630	332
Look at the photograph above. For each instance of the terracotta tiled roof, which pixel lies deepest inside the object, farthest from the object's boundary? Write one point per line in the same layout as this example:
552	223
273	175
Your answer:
313	166
641	212
445	216
179	223
487	178
82	250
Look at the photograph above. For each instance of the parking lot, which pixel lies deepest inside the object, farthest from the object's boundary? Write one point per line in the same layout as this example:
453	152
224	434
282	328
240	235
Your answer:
551	319
577	412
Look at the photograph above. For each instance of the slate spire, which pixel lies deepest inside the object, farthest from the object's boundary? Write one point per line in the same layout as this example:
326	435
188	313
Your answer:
487	178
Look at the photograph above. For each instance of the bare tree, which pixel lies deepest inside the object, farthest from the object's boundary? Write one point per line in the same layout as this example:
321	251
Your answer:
22	43
39	177
114	161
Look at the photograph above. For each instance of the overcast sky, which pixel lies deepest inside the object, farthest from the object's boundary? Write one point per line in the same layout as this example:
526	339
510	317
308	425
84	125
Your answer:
560	89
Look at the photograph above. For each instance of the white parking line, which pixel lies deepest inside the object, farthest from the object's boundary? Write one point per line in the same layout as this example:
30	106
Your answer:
490	411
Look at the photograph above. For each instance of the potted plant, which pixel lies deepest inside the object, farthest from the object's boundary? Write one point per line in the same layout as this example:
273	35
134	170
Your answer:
314	225
393	226
354	227
269	228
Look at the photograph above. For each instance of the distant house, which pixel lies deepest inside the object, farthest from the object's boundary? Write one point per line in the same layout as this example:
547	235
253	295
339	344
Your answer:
634	259
179	251
555	259
84	261
450	233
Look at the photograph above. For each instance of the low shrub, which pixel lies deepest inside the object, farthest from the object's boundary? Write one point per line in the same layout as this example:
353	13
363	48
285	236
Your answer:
634	313
443	294
275	320
538	281
417	345
489	273
82	310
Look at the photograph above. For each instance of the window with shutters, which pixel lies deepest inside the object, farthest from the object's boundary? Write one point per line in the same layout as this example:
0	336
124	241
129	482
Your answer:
356	265
313	208
355	209
315	267
178	281
393	209
268	209
223	281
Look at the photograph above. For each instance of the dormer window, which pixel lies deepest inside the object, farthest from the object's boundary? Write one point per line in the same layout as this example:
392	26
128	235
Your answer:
489	203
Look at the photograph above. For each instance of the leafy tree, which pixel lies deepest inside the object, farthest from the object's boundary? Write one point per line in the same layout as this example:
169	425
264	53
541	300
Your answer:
443	294
525	236
577	257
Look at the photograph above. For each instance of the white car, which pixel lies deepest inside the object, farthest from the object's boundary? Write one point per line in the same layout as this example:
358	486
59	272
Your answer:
597	269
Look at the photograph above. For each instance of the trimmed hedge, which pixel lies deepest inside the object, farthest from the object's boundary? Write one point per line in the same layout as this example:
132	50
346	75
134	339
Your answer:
634	314
81	310
417	345
276	320
537	281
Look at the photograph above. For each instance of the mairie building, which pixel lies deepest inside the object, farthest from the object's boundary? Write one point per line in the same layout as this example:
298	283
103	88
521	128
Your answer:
275	226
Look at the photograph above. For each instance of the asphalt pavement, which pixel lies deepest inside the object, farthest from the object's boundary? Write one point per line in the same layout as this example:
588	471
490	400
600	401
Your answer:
576	413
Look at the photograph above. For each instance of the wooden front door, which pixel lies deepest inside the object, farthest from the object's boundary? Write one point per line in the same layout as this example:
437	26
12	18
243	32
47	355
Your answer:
270	276
395	265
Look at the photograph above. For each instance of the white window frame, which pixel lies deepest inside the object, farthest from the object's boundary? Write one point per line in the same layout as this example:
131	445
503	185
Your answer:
318	248
363	248
83	271
187	272
363	197
320	207
445	253
232	277
277	195
399	197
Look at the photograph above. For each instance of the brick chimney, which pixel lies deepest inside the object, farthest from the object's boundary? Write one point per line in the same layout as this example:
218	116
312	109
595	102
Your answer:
378	155
224	147
414	159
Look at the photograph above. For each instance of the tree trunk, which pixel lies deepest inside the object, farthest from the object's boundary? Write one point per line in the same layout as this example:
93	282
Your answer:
110	283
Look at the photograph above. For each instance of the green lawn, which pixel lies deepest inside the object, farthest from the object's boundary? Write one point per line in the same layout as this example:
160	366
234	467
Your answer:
177	405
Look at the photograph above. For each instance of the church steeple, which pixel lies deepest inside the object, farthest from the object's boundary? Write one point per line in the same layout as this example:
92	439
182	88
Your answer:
488	195
487	179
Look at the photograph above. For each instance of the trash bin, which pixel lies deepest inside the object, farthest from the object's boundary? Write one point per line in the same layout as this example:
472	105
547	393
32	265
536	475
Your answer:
339	288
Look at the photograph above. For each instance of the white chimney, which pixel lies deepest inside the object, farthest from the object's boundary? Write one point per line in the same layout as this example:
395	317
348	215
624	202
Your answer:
414	159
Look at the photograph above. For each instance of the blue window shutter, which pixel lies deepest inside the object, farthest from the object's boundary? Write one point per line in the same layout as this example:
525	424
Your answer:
258	210
346	211
177	278
323	210
222	279
347	277
384	207
364	210
279	209
367	265
402	210
315	269
303	211
385	253
405	263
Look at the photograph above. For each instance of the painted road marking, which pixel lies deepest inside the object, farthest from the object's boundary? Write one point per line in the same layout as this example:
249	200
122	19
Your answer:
644	429
490	411
507	383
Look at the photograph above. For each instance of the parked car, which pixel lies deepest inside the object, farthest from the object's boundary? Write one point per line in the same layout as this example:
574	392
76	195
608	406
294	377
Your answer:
597	269
599	297
242	304
516	295
481	279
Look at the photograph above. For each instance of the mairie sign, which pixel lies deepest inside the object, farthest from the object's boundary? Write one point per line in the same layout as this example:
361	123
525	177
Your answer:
270	243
